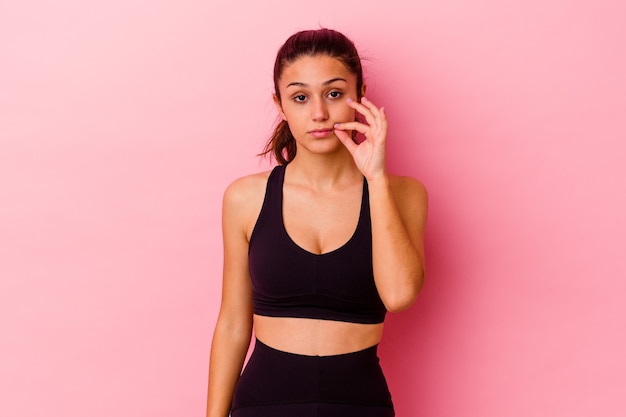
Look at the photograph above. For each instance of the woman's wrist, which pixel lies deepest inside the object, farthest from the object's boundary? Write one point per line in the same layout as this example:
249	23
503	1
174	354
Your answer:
378	180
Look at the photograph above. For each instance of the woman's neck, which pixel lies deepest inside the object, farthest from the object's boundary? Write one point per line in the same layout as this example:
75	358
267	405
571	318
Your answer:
324	171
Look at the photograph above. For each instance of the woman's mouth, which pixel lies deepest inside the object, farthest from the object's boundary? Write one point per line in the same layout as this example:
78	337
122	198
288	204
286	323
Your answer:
321	133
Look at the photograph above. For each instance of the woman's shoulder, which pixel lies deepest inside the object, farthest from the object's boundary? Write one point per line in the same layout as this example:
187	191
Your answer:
248	184
242	203
410	195
411	198
407	186
246	192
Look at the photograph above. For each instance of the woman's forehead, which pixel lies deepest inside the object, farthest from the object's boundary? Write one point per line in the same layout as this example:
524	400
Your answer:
315	71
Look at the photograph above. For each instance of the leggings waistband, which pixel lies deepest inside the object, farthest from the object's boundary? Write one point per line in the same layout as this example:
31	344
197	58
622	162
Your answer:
371	351
274	378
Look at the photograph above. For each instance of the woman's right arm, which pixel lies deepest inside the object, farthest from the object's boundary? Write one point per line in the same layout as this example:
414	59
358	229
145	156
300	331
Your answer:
233	330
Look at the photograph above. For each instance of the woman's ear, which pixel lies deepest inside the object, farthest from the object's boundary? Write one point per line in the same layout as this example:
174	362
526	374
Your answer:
363	90
279	107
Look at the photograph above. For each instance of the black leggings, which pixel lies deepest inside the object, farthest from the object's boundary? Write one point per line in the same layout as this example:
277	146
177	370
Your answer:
281	384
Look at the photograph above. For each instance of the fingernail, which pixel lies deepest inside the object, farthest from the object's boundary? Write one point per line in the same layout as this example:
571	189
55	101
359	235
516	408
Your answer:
364	99
336	125
349	100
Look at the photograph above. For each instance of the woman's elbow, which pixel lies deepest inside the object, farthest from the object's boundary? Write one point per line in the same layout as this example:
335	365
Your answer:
402	299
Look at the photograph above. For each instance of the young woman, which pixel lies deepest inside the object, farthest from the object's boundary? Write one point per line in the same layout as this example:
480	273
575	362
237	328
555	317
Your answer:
317	250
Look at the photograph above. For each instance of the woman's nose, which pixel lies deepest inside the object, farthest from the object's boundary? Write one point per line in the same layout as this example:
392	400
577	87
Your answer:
319	110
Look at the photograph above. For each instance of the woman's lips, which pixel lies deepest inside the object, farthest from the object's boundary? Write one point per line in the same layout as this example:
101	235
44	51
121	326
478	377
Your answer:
321	133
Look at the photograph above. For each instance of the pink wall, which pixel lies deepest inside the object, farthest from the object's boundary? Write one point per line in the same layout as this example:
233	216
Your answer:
121	123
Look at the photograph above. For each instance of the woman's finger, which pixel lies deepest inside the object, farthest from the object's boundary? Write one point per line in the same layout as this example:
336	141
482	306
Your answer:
369	116
346	140
371	107
359	127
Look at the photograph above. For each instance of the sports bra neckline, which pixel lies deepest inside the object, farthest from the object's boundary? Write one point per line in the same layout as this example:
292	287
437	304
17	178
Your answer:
332	251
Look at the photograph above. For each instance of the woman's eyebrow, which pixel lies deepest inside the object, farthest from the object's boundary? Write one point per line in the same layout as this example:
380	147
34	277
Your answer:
325	83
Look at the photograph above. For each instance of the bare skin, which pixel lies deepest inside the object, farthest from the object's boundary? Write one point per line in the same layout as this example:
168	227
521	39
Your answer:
322	197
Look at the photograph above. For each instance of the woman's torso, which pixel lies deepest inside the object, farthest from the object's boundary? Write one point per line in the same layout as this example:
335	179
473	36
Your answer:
316	223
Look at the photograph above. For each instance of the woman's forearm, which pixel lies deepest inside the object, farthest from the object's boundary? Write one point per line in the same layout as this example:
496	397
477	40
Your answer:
228	352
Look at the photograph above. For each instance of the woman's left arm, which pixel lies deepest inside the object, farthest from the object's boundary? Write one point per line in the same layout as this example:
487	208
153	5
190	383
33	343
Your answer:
398	207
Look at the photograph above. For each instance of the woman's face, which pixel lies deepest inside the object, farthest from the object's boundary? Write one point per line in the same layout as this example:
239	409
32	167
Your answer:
313	91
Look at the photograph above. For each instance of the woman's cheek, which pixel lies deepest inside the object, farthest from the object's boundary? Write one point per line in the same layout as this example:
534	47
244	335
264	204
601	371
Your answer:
345	113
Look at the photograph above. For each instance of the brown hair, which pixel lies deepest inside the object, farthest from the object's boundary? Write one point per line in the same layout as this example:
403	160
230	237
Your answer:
309	43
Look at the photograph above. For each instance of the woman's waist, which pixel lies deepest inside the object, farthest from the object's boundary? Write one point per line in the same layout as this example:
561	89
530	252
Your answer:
316	337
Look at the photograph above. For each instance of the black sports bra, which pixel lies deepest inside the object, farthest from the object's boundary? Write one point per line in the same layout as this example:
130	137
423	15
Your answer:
289	281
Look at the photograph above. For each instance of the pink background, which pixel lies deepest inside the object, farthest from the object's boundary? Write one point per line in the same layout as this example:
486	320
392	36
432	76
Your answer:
122	122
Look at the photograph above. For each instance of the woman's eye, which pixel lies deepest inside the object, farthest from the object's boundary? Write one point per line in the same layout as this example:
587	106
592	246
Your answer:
300	98
335	94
